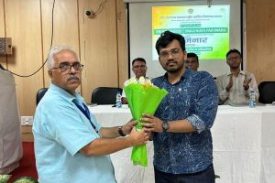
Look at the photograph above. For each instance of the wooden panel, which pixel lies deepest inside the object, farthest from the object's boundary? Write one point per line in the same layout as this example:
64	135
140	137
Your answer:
2	31
65	27
98	41
23	26
2	20
261	39
122	43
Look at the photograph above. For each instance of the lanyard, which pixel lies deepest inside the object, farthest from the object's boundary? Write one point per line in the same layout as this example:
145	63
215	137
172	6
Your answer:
84	109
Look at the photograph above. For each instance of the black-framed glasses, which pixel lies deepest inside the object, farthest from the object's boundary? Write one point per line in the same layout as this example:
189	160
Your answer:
174	52
66	66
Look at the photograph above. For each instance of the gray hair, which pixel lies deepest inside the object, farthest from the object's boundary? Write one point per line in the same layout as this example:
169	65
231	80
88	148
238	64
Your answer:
54	51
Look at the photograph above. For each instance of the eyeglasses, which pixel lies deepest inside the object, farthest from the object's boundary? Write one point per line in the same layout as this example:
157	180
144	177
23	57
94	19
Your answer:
66	66
174	52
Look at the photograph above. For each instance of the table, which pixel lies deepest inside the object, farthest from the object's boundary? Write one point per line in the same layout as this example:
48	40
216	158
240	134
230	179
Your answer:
244	146
243	140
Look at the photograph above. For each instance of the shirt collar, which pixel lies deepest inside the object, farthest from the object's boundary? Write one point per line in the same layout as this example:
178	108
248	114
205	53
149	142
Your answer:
241	73
66	94
186	74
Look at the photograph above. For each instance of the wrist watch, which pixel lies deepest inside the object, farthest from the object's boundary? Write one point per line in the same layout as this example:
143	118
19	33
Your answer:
165	126
121	133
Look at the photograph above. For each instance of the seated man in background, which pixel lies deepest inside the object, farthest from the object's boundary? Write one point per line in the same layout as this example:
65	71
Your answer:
70	145
139	68
234	86
192	61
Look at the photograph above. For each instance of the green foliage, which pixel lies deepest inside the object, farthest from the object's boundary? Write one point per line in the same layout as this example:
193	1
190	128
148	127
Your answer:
25	180
4	178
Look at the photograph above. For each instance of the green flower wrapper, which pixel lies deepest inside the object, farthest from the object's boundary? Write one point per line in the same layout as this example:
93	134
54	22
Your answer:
142	99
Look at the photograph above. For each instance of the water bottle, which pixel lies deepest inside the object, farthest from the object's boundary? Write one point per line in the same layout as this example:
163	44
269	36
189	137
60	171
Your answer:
118	100
252	98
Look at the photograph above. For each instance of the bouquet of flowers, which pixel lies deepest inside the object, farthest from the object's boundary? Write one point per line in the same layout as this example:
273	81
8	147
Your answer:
143	98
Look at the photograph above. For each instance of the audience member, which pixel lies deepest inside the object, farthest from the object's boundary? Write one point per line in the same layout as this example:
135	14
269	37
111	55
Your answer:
70	145
234	86
192	61
139	68
180	129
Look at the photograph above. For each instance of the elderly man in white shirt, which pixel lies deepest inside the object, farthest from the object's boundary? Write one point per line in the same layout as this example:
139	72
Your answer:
234	86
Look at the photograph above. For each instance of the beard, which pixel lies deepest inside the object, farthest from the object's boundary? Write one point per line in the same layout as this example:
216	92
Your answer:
173	70
176	67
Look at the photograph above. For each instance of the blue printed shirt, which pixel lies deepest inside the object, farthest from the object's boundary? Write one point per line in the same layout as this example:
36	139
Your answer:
194	98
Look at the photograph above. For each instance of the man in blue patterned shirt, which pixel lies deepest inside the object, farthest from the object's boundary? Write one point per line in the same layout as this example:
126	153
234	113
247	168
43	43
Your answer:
182	138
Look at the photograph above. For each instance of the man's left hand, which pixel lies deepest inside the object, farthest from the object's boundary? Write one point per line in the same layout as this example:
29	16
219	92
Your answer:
151	123
128	126
246	83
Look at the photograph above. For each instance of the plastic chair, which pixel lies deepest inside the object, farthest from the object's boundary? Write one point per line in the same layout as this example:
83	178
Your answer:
105	95
40	93
267	92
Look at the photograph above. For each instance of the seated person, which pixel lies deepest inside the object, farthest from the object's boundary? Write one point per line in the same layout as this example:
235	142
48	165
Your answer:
192	61
234	86
139	68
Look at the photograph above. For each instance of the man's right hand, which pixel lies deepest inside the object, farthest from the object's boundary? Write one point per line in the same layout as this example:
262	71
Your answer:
230	84
138	137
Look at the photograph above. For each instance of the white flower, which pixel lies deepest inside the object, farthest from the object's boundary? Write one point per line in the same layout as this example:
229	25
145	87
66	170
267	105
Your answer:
130	81
142	80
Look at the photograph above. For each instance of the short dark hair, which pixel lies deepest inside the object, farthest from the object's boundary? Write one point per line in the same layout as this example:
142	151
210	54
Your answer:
193	55
167	37
233	51
139	59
